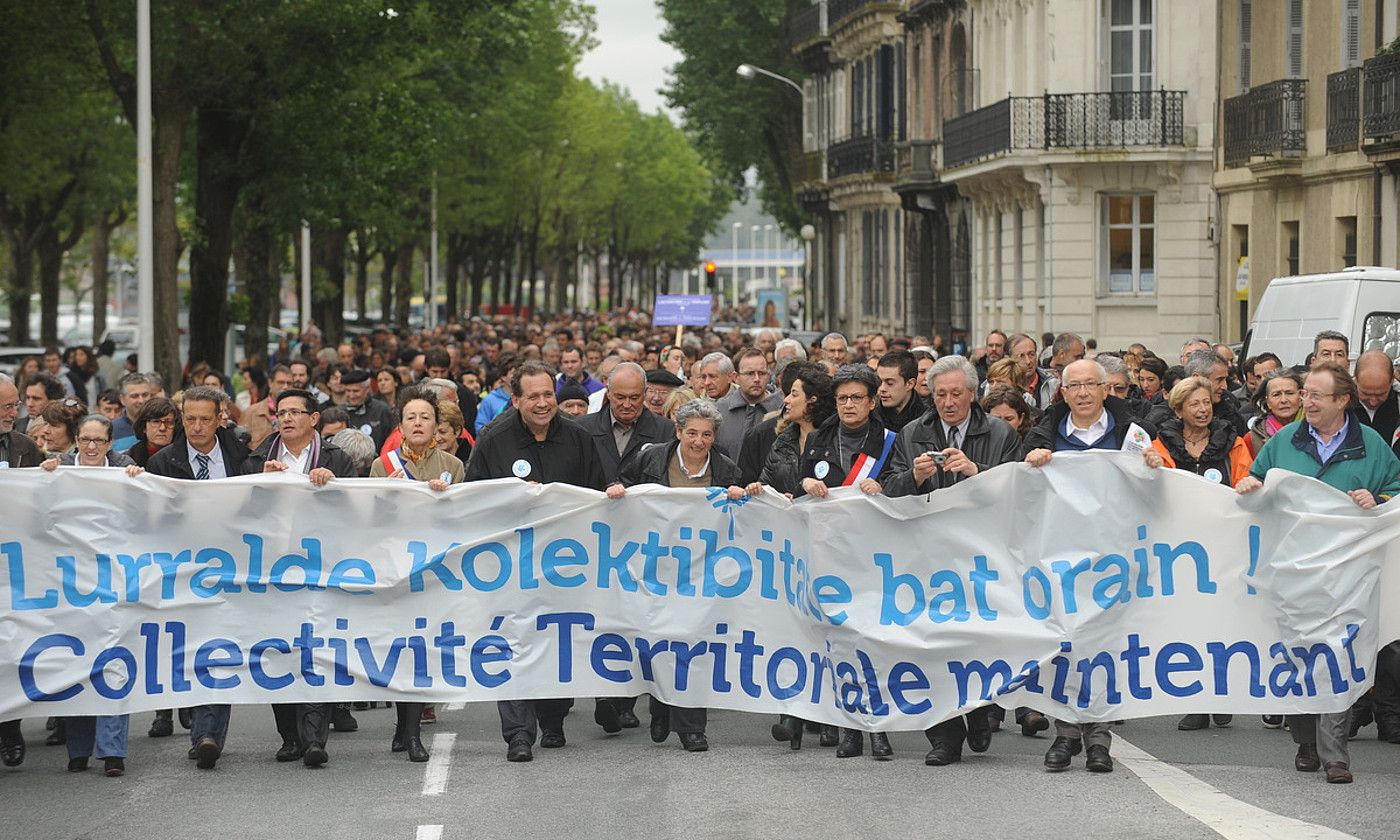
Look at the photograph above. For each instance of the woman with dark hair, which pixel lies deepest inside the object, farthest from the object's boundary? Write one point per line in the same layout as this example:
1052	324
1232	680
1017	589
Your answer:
154	429
806	406
1151	380
63	417
386	386
82	370
1278	401
1009	403
418	458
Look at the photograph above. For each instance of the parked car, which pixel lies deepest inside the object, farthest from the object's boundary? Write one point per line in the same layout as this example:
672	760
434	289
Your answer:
10	357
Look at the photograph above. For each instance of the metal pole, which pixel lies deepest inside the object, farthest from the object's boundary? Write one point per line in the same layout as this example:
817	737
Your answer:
145	195
305	275
753	256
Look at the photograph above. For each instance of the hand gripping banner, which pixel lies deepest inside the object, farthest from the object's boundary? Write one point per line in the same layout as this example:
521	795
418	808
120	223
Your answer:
1094	589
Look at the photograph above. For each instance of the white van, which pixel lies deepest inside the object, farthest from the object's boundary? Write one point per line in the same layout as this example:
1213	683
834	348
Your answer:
1362	303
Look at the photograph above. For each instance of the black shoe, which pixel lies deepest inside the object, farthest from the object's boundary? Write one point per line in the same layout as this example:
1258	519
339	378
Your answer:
396	744
552	740
852	743
1222	720
290	751
694	741
206	753
113	767
1338	773
1061	750
812	727
942	754
519	750
628	719
342	720
830	737
660	728
315	755
880	748
979	731
162	726
1097	759
186	718
780	730
605	715
1191	723
1307	761
77	765
59	736
416	750
12	749
1033	722
1273	721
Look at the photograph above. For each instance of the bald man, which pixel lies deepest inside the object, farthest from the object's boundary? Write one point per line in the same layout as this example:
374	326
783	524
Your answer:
1379	407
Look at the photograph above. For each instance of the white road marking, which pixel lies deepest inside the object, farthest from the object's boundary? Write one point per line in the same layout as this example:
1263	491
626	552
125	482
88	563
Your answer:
1213	808
454	707
439	765
429	832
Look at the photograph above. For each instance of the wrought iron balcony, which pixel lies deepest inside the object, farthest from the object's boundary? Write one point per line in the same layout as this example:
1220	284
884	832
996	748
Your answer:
807	25
860	155
1380	118
1344	110
1101	120
1267	121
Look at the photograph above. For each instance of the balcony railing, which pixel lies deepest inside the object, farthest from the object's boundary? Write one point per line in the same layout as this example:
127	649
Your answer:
860	155
808	25
1344	110
808	168
1066	121
1266	121
1380	117
839	10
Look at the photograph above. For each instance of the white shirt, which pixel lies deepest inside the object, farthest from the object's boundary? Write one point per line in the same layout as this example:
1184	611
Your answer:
295	463
1096	430
216	460
688	474
962	431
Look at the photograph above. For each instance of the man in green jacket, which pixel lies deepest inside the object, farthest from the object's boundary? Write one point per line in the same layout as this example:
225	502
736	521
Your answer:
1330	445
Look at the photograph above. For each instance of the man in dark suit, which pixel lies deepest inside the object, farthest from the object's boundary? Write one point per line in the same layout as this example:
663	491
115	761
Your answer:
204	450
620	431
1379	407
297	447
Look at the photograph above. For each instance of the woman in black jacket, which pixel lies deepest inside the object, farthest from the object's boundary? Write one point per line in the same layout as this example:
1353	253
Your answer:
689	461
807	405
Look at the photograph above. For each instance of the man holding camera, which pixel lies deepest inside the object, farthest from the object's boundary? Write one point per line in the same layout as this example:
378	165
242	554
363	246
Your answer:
952	442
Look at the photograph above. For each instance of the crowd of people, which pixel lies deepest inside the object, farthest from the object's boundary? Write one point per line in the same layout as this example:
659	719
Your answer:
610	402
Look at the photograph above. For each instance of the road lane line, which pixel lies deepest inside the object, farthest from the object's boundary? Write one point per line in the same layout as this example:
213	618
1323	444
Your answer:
1212	807
428	832
439	764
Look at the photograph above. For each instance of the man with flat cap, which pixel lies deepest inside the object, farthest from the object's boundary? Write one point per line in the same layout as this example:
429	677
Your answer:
364	410
660	383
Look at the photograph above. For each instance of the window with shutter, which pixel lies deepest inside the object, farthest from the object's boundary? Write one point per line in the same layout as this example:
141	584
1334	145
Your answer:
1351	34
1294	40
1246	24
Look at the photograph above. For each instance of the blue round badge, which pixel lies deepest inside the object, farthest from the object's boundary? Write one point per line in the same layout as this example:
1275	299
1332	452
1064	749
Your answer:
821	470
520	468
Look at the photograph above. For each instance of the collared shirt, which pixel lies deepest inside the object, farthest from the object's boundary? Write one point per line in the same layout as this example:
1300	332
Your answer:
216	460
961	430
1326	449
1096	430
688	474
295	463
622	434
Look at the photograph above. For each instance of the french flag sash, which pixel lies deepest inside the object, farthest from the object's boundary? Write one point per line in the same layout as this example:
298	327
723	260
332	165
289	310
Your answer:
866	466
393	462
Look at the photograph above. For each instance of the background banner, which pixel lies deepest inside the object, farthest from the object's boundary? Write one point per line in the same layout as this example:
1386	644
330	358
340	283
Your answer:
1094	589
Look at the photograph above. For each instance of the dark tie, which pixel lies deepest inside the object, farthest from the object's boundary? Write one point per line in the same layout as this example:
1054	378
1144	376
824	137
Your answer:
953	437
203	473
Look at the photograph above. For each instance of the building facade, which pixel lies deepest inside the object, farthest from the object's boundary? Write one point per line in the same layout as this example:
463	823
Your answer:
1088	161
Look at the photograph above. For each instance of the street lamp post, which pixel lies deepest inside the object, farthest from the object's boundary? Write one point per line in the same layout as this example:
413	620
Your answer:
733	256
770	274
748	71
808	234
145	195
753	254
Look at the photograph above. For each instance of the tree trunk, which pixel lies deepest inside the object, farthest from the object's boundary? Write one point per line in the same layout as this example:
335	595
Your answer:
386	285
170	119
263	278
328	280
51	248
21	284
101	278
363	255
218	181
403	287
452	277
476	275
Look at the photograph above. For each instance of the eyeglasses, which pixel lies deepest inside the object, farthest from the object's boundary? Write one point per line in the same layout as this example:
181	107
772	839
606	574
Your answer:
87	441
165	422
11	406
851	398
290	413
1315	395
1118	389
1082	386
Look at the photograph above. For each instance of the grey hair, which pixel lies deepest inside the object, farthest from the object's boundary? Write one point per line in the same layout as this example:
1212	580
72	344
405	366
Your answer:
1202	362
132	379
844	342
98	418
1331	335
794	344
156	381
723	362
204	393
953	364
1112	365
1064	341
632	367
6	379
1197	340
438	382
358	445
700	408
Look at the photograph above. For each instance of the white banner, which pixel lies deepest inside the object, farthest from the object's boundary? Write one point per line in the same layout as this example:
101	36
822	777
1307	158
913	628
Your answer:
1093	589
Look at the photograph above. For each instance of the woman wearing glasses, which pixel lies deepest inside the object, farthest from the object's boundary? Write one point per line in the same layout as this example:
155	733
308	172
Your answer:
94	448
154	429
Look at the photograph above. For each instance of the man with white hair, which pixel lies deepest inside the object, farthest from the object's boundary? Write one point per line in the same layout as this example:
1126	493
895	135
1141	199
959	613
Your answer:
716	376
836	348
16	450
788	349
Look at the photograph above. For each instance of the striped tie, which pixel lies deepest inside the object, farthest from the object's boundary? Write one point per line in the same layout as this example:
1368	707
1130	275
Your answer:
203	461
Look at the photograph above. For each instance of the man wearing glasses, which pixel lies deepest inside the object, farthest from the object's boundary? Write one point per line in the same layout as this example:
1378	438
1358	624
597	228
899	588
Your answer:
1086	418
203	450
743	407
1334	447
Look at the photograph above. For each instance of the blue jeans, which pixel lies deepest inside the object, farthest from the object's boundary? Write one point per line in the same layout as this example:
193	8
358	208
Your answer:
210	722
107	732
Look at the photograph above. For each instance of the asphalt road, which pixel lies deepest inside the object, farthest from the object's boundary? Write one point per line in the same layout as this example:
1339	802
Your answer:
1239	780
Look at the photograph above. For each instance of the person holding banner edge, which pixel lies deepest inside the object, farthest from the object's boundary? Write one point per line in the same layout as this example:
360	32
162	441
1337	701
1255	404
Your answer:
1085	419
1332	446
954	441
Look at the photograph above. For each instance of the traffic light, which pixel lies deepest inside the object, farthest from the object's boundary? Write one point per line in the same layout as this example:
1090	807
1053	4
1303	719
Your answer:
710	276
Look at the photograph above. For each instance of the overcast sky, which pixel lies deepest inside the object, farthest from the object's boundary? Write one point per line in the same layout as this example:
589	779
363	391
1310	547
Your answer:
630	51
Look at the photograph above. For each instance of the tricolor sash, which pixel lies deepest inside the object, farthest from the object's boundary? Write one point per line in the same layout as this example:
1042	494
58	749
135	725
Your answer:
867	466
393	462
